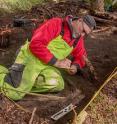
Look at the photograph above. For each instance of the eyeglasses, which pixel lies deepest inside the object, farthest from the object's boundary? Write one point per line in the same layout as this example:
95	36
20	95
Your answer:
83	30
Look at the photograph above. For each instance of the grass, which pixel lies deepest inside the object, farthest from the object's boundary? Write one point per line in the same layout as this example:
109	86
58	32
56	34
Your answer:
15	5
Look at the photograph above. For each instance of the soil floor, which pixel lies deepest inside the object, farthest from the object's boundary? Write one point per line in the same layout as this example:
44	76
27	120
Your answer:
102	51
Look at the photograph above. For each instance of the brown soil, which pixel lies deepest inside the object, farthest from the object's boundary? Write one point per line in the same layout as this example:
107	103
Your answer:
103	110
102	52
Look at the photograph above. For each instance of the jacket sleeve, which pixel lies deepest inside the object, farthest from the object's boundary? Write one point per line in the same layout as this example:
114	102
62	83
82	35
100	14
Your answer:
78	53
42	36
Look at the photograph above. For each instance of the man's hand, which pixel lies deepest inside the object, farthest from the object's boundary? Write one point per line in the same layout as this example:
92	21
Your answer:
91	68
65	63
72	70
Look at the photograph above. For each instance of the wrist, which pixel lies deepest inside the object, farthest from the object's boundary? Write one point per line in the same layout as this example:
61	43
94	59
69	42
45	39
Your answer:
52	61
56	63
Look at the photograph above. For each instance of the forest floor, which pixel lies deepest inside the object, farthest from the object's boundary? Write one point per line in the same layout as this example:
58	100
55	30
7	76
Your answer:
102	51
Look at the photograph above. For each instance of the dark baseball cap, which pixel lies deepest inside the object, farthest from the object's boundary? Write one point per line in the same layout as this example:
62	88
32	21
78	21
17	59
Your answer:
90	21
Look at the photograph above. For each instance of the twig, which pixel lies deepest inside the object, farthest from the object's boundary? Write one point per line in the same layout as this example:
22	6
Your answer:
5	31
51	97
75	117
45	122
101	30
32	116
105	21
2	50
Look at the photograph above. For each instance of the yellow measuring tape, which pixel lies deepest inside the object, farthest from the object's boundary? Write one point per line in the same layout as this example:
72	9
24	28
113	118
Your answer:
113	74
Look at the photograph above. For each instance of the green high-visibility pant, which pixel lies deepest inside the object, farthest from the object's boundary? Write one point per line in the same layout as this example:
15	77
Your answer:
49	80
37	76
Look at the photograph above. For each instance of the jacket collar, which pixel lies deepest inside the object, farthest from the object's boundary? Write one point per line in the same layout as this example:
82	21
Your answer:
69	20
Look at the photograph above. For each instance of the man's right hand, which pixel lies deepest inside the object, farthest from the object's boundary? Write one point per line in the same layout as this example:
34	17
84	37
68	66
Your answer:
65	63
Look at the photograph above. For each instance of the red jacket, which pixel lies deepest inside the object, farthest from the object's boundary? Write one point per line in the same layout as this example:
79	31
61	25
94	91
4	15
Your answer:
50	30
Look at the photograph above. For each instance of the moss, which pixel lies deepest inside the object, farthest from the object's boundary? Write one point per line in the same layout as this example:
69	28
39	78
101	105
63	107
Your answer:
16	5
